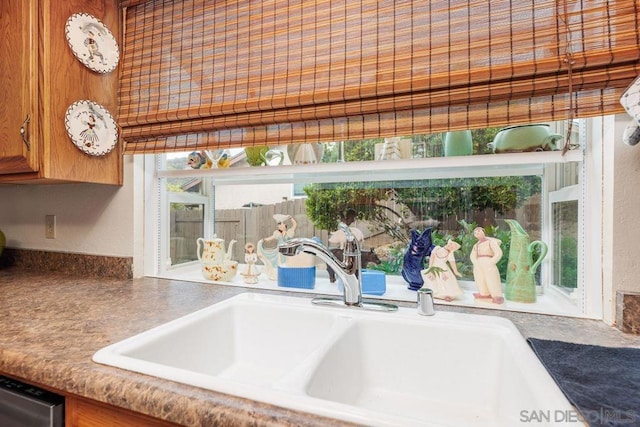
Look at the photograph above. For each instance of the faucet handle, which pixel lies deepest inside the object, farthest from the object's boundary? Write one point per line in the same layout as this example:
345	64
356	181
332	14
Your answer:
352	245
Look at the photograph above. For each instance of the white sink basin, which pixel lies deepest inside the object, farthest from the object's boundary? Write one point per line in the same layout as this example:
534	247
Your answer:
451	371
242	340
367	367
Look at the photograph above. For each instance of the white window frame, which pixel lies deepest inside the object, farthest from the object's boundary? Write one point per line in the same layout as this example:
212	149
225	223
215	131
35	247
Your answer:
157	208
590	291
590	273
566	194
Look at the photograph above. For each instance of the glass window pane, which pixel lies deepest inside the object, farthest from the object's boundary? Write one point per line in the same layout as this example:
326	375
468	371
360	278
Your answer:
186	225
565	244
385	212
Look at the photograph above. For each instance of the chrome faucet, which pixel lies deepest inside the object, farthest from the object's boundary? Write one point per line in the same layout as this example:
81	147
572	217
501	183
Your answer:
349	270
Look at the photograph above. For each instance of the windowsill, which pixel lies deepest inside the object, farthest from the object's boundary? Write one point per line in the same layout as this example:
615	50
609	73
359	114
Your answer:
433	167
552	302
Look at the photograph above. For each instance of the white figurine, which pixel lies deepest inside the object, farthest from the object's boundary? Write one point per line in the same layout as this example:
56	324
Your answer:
485	255
440	277
250	275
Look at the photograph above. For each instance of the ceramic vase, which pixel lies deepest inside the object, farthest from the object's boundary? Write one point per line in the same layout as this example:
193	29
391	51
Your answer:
419	248
458	143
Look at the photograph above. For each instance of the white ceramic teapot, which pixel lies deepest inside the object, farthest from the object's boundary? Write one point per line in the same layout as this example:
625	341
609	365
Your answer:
211	251
220	272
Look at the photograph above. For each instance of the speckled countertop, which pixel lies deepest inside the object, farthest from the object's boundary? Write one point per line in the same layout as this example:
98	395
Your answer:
50	326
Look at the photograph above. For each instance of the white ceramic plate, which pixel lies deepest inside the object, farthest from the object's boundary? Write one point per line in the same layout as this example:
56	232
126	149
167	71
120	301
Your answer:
92	42
91	127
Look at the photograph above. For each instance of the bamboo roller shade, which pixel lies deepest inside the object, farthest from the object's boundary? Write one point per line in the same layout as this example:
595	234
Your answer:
209	74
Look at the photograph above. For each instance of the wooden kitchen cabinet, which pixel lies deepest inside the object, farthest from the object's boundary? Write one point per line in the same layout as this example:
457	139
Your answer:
39	79
80	412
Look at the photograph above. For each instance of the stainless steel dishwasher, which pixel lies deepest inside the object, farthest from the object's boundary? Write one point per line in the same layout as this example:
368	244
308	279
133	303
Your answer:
24	405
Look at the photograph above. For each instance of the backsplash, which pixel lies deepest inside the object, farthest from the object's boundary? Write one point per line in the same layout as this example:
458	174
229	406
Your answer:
71	263
628	312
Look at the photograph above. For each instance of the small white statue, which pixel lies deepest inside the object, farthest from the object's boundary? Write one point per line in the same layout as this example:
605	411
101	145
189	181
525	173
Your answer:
250	275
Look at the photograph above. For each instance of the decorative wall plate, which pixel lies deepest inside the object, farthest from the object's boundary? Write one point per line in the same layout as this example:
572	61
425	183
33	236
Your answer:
92	42
91	127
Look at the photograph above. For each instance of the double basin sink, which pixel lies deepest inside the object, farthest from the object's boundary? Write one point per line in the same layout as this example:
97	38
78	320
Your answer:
371	368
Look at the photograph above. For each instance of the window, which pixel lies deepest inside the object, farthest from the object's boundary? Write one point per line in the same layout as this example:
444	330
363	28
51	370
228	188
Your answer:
383	200
200	75
184	207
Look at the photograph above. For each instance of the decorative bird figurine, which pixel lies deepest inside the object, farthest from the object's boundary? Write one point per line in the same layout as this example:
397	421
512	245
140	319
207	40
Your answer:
224	161
199	160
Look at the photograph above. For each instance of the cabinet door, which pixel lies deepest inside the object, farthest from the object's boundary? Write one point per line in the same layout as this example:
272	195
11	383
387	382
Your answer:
80	412
18	86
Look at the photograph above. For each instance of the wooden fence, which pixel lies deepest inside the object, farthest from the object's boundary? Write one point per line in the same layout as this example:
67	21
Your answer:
252	224
186	225
242	224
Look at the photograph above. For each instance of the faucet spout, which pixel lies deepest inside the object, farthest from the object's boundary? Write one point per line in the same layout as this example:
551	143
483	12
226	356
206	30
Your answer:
349	269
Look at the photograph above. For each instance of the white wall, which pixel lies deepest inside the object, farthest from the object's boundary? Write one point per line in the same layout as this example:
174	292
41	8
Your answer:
626	212
90	218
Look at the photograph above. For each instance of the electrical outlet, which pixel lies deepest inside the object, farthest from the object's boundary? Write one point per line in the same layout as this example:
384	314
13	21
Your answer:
50	226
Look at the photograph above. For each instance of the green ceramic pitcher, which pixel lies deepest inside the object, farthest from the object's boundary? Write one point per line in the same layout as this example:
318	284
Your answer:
521	268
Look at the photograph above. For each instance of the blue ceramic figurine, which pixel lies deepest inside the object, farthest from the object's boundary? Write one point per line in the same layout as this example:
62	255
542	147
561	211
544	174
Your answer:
419	248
